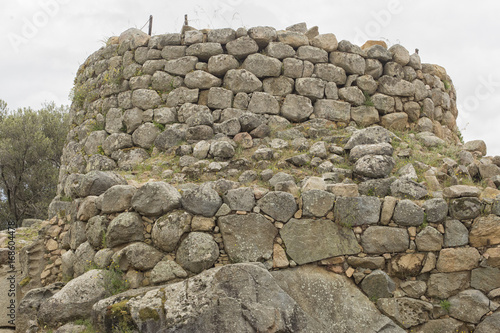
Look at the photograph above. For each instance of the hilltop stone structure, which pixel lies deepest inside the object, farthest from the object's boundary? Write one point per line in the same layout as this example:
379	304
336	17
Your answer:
263	180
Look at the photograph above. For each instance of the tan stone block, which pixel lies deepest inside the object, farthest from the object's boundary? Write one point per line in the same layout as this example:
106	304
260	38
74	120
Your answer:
458	259
279	257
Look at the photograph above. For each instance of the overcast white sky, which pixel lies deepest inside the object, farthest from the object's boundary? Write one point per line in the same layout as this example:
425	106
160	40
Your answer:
45	41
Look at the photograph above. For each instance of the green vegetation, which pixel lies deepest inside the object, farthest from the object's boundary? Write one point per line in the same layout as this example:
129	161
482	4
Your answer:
447	85
31	144
368	100
114	282
87	324
445	305
161	127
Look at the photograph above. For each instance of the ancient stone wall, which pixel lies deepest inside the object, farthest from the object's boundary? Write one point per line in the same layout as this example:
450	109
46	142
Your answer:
253	149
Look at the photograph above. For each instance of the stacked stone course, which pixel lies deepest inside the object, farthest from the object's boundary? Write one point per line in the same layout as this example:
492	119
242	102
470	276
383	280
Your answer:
204	95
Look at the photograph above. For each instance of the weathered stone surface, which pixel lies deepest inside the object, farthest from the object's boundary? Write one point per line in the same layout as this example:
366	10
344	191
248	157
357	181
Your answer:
296	108
370	149
485	279
457	259
117	198
408	214
405	311
241	80
317	203
374	166
197	252
476	145
414	289
370	135
278	86
97	182
485	231
469	306
312	54
351	63
444	285
378	285
367	262
241	199
167	270
95	231
168	230
395	87
145	99
125	228
139	256
84	258
145	135
332	110
395	121
330	73
327	42
279	205
408	189
262	35
489	324
312	240
218	65
435	209
247	238
456	234
447	325
465	208
263	103
292	38
379	240
460	191
279	50
262	66
405	265
74	301
365	115
310	87
429	239
357	211
242	47
77	234
201	200
156	198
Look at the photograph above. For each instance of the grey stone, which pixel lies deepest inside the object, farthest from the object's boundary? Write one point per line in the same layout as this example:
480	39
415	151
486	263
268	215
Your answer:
241	199
385	104
229	127
365	115
351	63
330	73
247	238
278	86
374	166
429	239
165	82
201	200
395	121
77	234
103	257
405	311
394	69
201	80
327	42
132	119
408	214
279	205
125	228
367	84
222	36
436	210
181	66
279	50
220	98
367	262
156	198
317	203
130	158
476	145
465	208
469	306
370	149
293	68
197	252
312	54
312	240
280	177
292	38
332	110
444	285
456	234
71	328
376	187
168	230
84	258
74	301
95	231
204	51
374	68
263	103
447	325
262	35
395	87
489	170
97	182
414	289
378	285
242	47
352	95
166	115
241	80
370	135
485	279
115	142
173	52
262	66
378	52
167	270
296	108
93	141
114	120
430	140
400	54
145	135
357	211
145	99
408	189
221	150
379	240
139	256
310	87
218	65
489	324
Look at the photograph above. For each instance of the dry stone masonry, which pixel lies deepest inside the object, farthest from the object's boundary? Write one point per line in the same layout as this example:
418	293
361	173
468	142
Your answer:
216	166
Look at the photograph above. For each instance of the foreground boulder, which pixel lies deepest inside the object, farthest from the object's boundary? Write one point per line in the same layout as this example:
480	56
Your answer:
248	298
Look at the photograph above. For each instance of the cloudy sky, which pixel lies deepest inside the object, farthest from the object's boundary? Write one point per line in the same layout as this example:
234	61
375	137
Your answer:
44	41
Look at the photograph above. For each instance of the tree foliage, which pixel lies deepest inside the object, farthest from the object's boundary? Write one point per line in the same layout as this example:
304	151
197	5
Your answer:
31	144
